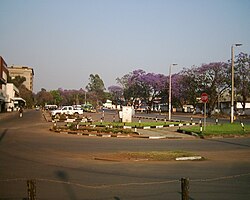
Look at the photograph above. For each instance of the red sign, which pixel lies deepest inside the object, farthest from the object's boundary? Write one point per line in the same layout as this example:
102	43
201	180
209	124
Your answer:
204	97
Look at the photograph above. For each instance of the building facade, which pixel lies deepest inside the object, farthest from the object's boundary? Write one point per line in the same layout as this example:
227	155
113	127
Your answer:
4	73
24	71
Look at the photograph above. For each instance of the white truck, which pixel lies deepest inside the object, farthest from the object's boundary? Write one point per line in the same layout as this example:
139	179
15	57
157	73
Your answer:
67	110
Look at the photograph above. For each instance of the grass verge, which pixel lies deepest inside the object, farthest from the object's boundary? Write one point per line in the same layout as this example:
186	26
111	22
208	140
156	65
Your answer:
220	129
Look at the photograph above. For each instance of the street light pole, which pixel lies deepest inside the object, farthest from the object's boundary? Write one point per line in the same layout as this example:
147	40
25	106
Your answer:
169	95
232	79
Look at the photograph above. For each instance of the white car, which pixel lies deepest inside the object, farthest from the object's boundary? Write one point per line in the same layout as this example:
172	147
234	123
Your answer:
68	110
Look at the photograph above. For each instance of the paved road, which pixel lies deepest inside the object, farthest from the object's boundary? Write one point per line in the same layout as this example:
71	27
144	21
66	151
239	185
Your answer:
64	167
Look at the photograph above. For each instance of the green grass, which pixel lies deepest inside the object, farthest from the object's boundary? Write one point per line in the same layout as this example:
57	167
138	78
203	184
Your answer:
133	124
220	129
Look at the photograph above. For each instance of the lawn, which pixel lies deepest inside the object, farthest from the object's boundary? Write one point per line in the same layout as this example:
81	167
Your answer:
220	129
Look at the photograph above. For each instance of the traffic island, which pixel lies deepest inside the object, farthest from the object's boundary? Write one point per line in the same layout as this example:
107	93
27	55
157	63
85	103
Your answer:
115	129
149	156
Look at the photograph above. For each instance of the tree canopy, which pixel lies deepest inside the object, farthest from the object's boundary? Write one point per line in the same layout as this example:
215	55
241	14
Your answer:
242	78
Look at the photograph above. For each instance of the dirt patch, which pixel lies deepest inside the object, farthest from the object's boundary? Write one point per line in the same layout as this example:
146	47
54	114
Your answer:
143	156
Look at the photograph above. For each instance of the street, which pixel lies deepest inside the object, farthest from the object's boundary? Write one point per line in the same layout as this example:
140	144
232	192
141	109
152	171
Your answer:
64	166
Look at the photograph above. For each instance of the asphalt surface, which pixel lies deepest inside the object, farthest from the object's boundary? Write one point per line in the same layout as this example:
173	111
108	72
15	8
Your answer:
64	166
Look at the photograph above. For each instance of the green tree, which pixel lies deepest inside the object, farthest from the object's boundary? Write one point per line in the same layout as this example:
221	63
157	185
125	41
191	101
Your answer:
96	88
17	81
43	97
56	97
242	78
211	78
27	95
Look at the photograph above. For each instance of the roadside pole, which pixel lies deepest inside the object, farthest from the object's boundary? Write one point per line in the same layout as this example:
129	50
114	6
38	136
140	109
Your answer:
205	110
204	99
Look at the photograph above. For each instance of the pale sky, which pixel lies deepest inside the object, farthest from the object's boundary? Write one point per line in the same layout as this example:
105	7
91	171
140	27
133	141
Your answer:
66	41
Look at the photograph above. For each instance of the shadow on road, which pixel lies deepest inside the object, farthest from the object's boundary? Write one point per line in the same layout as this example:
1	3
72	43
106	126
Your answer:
3	134
226	142
64	177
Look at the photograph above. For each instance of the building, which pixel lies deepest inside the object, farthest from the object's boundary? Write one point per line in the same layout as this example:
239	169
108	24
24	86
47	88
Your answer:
4	73
13	100
10	99
26	72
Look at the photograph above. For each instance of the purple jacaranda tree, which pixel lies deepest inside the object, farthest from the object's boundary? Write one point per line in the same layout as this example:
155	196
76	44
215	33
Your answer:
135	87
155	83
242	78
179	97
143	86
116	93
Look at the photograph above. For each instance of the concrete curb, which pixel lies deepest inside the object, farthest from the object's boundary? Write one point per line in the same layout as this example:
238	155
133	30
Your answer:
98	134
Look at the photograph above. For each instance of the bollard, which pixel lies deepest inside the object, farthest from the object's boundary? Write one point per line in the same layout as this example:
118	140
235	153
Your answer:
191	119
77	126
242	126
184	188
31	186
135	129
54	125
200	126
156	119
216	121
165	120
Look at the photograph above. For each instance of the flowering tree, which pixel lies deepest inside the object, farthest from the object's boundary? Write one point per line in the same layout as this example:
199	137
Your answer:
116	93
141	85
242	78
156	83
134	86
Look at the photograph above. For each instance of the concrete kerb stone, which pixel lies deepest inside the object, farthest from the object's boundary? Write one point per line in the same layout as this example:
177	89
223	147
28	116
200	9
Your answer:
189	158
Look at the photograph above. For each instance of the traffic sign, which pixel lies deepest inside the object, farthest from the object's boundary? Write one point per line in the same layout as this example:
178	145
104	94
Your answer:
204	97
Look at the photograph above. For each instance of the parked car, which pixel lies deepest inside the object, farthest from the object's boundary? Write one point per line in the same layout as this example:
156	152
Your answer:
67	110
88	108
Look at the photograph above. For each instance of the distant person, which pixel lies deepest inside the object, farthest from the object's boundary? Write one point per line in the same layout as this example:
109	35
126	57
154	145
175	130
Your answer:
21	112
